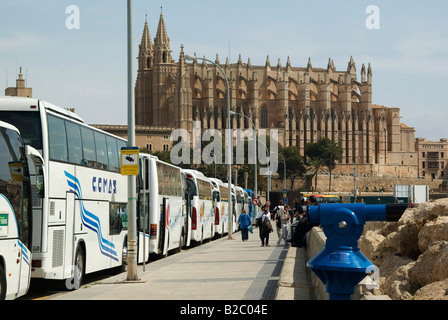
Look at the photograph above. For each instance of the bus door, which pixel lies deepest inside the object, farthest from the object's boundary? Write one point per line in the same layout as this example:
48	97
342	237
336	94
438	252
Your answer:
69	234
188	199
144	232
164	234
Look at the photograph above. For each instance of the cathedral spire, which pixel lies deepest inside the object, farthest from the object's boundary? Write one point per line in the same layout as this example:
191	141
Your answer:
162	43
351	68
146	44
146	49
309	65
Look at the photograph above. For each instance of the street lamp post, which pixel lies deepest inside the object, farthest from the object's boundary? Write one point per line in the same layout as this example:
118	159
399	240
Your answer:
284	167
229	144
255	150
268	174
132	203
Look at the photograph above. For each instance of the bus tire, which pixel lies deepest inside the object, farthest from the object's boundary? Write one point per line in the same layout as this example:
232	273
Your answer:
2	283
124	260
182	240
80	265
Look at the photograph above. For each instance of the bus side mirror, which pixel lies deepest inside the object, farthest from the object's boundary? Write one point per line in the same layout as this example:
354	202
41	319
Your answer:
40	181
39	165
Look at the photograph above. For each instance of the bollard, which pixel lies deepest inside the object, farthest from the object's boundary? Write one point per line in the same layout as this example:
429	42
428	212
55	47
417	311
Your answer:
341	265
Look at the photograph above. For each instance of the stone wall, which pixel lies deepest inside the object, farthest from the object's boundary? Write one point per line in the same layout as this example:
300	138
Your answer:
345	183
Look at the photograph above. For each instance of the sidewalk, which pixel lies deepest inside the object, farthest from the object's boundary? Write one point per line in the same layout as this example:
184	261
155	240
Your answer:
221	269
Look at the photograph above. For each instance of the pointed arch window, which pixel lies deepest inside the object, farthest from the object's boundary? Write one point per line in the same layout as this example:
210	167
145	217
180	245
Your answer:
264	117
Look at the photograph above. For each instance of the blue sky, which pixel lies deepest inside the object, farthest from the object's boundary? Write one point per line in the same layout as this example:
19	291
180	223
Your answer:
86	68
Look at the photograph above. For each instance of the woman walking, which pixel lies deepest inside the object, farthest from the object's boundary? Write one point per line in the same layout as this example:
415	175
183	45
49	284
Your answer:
264	227
245	222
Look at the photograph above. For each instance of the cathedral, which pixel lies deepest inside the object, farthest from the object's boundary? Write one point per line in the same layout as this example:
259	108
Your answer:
302	103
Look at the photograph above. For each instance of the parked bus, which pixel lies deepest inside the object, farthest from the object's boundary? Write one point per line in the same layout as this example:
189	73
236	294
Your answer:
15	212
200	190
162	222
252	209
217	226
223	226
80	221
240	196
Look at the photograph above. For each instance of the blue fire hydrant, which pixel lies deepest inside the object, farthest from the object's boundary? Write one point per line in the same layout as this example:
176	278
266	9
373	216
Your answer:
341	265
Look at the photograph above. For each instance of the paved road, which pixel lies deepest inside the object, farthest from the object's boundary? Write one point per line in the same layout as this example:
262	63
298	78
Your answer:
218	270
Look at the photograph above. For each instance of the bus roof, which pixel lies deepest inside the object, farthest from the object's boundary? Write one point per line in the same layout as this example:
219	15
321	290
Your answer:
27	103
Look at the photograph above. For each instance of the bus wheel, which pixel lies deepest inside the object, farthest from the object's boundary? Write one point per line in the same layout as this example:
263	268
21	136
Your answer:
124	262
181	241
80	264
2	284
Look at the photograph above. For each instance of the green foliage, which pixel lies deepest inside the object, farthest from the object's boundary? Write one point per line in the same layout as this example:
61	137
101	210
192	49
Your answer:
323	153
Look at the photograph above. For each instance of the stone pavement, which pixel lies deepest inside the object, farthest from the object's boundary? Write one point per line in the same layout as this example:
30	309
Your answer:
221	269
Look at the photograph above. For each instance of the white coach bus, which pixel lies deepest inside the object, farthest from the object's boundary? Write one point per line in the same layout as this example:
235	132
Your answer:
241	196
217	225
15	213
80	218
162	222
223	226
202	217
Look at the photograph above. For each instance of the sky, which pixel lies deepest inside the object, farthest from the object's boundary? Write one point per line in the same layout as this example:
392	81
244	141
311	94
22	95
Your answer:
86	67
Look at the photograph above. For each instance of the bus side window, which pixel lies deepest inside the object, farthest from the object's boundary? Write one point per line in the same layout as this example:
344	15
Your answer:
112	152
58	139
88	147
118	218
101	150
74	143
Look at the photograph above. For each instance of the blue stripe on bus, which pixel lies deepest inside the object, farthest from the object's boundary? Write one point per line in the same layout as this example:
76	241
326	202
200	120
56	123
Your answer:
90	220
24	252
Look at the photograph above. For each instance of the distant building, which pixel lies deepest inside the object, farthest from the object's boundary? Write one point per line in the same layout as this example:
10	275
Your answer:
432	158
20	90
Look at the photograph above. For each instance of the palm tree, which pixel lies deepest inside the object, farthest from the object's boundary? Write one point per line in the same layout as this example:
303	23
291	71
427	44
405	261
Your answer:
315	164
332	153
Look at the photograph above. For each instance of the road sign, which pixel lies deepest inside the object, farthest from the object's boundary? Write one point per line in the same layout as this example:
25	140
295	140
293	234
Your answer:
268	203
255	201
285	190
129	161
285	201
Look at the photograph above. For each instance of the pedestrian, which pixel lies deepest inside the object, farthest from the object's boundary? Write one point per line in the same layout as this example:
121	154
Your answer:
261	218
283	214
303	226
278	224
244	222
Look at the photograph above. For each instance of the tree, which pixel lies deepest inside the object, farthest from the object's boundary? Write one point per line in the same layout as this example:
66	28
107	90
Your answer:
295	167
331	153
327	150
315	164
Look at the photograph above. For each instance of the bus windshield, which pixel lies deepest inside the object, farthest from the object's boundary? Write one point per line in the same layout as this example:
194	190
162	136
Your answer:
14	180
28	124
